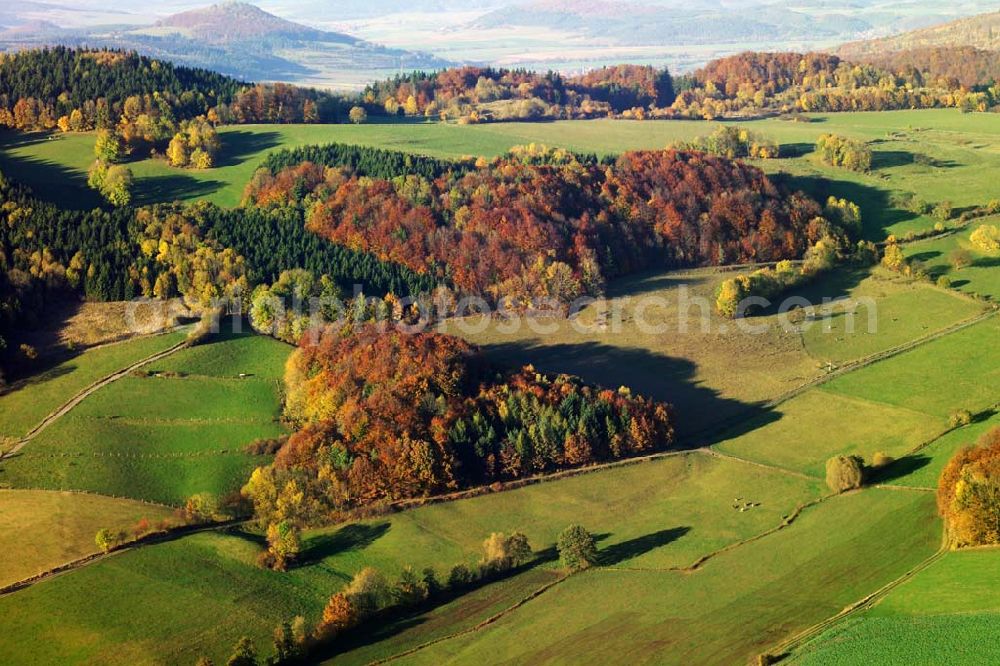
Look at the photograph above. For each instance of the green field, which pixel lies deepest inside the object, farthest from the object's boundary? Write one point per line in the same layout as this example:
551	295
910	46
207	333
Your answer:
733	608
981	276
661	514
26	403
60	528
669	343
177	430
943	615
937	154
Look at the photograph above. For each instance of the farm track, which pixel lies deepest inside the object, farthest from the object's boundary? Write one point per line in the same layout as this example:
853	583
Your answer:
82	395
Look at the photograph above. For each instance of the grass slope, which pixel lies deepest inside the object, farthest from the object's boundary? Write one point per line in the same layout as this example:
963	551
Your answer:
733	608
134	607
943	615
40	530
164	438
26	403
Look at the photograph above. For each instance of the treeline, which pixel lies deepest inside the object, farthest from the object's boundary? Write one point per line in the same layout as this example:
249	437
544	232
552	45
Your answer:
946	66
539	225
199	252
385	415
480	94
81	90
751	83
363	160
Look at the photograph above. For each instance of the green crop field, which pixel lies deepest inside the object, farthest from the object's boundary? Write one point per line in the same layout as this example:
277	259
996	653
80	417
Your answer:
944	610
176	430
42	529
26	403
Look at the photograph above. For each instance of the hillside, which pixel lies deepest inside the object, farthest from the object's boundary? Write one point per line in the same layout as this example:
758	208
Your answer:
981	32
240	40
237	22
647	22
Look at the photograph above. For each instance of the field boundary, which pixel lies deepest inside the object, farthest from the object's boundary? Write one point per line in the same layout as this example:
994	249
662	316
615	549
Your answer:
479	626
82	395
135	544
783	650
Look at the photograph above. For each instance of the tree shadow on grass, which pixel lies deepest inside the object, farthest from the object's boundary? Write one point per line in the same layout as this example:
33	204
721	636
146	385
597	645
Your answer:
348	538
793	150
899	469
627	550
49	181
174	187
238	145
700	410
877	209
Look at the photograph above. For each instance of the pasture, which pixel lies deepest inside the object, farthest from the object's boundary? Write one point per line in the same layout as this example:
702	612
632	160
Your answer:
174	429
943	613
658	333
659	514
981	276
24	404
41	529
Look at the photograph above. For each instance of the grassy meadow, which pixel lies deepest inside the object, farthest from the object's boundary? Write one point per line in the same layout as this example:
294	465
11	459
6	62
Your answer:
944	613
175	429
60	527
24	404
207	587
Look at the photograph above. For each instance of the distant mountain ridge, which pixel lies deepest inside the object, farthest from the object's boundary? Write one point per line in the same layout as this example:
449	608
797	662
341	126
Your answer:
980	32
240	40
238	21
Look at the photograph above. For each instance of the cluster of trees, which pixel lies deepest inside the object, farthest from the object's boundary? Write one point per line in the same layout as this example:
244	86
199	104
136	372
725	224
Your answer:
371	597
81	89
841	151
478	94
114	182
144	100
196	145
968	494
753	83
363	160
734	142
384	416
539	225
738	296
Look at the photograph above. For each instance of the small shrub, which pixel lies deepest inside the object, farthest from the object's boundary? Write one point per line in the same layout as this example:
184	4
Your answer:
959	418
944	282
882	459
960	259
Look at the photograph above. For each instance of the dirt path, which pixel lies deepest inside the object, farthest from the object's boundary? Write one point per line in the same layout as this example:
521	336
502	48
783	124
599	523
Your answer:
82	395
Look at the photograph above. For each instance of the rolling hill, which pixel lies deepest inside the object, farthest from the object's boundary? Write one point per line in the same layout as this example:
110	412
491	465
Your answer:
240	40
981	32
